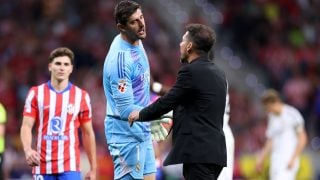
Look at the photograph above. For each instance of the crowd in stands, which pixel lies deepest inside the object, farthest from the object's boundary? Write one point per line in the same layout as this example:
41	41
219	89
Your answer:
281	37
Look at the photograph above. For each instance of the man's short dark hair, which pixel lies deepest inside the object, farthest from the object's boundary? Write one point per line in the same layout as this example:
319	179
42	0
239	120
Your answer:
124	9
202	36
61	51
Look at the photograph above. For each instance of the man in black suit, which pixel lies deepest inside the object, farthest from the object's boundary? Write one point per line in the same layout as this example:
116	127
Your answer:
198	102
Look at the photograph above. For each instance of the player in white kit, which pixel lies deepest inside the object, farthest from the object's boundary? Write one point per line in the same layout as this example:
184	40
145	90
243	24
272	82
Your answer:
227	172
286	137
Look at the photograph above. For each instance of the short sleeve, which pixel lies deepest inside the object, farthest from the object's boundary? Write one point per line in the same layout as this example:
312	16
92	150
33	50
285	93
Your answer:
3	114
30	107
297	120
85	114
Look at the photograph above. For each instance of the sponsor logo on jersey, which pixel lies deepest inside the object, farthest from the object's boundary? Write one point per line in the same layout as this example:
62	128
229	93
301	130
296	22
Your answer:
56	129
56	124
70	109
122	85
55	137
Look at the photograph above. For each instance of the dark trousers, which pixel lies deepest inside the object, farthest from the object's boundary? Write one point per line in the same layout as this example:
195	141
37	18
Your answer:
201	171
1	166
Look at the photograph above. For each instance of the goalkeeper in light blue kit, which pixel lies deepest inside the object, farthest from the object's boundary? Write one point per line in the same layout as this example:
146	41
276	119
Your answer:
126	82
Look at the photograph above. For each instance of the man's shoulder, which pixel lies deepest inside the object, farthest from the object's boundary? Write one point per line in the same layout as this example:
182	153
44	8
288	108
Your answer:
116	53
289	108
119	46
45	84
192	68
202	64
79	88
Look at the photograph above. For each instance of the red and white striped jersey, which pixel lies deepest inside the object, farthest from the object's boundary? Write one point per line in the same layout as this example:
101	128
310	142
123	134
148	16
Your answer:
58	116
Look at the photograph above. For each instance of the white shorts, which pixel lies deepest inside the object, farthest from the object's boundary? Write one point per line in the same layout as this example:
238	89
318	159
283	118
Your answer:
227	172
284	173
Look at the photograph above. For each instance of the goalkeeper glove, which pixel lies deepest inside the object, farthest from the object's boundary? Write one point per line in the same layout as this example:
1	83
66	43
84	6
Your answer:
158	132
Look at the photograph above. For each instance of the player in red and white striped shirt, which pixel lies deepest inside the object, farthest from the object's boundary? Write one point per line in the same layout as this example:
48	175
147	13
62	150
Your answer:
57	109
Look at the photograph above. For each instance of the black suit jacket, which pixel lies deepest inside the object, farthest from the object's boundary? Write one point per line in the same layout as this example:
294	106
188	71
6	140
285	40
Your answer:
198	102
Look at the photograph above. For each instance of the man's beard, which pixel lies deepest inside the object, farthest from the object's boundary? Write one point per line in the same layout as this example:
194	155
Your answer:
183	58
135	37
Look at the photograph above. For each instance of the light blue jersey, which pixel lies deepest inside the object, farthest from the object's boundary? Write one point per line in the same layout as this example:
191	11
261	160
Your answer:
126	83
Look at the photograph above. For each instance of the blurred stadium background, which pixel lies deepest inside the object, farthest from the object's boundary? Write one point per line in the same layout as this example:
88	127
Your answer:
261	44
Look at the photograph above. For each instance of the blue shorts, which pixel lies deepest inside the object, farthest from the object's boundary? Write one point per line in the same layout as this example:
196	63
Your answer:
136	158
70	175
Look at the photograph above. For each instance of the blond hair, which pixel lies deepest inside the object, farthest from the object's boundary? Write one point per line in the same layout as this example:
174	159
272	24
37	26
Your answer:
270	96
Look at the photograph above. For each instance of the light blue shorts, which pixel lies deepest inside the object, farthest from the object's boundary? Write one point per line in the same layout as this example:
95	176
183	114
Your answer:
69	175
134	158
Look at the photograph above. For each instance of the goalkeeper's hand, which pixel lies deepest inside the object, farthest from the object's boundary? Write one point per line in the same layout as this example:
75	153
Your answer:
158	131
